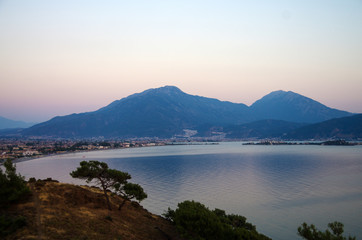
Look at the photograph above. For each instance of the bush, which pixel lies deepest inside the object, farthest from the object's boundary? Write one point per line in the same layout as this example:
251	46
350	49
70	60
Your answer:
312	233
9	225
12	186
32	180
195	221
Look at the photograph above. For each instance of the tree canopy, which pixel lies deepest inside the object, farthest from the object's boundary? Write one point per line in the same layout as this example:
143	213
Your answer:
109	179
130	191
195	221
12	185
310	232
13	188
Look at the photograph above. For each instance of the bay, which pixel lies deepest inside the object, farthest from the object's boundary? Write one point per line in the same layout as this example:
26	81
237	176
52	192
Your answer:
276	187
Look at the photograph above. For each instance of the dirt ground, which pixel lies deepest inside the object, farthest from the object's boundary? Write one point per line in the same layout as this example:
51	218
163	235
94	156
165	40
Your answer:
64	211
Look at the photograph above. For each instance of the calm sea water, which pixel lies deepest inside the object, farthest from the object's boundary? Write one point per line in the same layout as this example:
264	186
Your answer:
276	187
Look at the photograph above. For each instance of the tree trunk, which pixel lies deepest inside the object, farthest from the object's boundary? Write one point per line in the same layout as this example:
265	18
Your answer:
106	195
108	203
122	204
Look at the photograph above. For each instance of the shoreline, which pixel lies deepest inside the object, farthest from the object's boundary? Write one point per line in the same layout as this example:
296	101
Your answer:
316	143
243	143
25	159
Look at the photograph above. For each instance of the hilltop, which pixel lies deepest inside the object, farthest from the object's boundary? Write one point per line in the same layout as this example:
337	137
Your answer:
64	211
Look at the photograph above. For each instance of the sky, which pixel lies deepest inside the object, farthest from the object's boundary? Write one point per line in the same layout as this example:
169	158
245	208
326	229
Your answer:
70	56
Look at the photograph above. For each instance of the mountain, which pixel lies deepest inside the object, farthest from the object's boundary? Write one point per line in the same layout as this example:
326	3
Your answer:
293	107
167	111
349	128
161	112
6	123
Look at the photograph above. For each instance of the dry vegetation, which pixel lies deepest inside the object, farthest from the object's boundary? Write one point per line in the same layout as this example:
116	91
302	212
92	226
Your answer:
64	211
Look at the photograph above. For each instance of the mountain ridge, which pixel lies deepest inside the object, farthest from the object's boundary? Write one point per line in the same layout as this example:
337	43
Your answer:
167	111
6	123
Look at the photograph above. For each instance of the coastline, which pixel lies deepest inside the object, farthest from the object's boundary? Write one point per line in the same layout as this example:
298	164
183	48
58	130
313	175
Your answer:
25	159
243	143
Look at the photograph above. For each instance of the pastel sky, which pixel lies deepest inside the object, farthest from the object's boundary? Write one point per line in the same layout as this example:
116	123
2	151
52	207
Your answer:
66	56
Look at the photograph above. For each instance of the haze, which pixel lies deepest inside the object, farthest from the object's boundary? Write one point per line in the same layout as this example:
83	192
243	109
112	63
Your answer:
60	57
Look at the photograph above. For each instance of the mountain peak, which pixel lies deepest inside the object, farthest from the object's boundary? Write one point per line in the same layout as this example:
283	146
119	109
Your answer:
166	89
277	92
280	93
287	97
293	107
169	88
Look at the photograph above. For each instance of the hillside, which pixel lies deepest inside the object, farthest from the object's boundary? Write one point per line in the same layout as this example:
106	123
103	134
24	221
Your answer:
261	129
349	128
64	211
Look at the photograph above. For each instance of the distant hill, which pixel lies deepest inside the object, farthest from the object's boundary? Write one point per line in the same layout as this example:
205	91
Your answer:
11	132
6	123
349	128
293	107
261	129
167	111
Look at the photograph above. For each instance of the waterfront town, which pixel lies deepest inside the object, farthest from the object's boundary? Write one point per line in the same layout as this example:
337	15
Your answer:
32	148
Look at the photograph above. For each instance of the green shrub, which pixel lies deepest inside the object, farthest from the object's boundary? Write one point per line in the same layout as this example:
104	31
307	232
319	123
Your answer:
9	225
32	180
312	233
195	221
12	186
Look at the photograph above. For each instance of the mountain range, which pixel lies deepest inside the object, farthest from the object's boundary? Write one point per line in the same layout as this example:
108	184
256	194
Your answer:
168	112
6	123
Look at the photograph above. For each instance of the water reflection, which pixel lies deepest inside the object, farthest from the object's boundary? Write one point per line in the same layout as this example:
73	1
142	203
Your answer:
275	187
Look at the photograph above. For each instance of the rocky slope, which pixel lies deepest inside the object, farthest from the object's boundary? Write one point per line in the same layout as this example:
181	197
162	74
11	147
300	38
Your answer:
64	211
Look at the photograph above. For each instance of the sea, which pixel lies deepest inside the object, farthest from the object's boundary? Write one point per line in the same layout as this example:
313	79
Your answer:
276	187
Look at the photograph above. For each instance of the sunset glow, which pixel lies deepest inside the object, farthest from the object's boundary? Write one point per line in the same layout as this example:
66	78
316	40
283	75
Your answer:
61	57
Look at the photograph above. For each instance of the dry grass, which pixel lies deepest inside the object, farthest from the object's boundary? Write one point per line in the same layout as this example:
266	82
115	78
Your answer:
64	211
